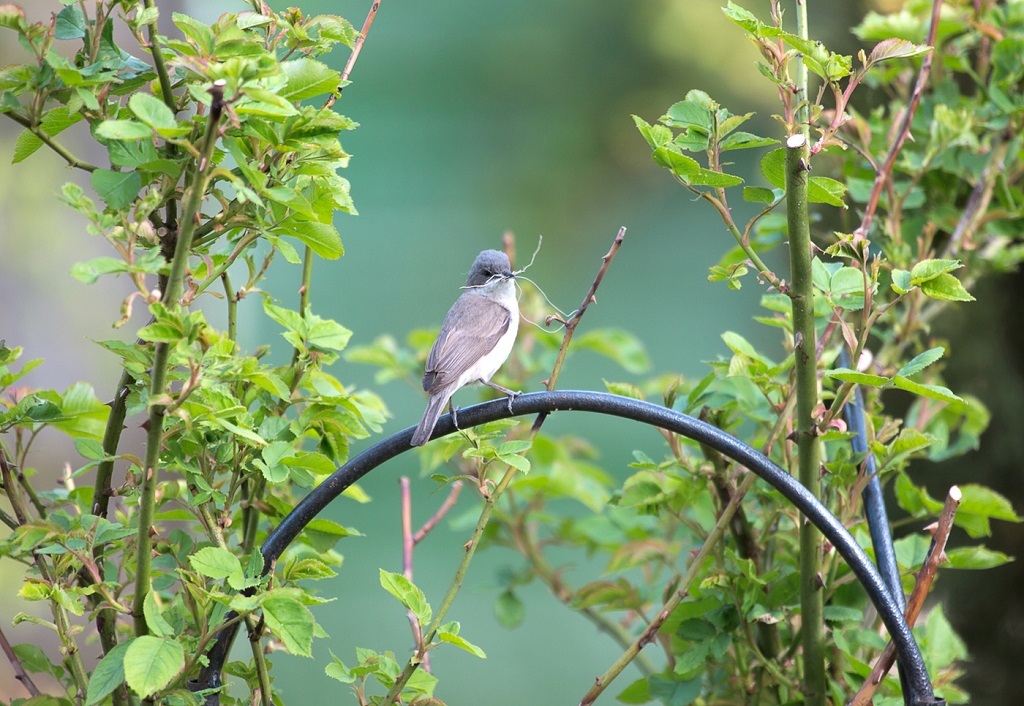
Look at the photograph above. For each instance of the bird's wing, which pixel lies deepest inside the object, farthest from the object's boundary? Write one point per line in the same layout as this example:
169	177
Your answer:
472	328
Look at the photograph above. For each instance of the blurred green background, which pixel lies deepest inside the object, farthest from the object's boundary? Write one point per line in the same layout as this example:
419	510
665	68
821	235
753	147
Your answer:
477	118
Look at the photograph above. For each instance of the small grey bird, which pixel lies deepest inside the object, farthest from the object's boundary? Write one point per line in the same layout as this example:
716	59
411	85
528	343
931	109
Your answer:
475	339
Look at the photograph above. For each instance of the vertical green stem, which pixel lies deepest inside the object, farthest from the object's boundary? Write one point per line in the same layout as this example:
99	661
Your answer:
806	371
158	61
158	376
803	107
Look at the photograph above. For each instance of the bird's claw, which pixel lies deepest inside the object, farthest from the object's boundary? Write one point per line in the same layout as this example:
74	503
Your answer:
511	398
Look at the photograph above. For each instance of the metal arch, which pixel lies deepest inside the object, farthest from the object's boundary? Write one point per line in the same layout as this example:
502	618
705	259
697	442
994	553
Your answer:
920	687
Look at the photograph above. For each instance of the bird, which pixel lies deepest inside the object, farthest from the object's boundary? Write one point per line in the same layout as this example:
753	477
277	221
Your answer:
475	339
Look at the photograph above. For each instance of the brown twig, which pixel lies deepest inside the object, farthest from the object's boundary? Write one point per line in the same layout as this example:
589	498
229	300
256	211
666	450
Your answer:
883	175
356	48
19	671
936	555
574	320
408	544
448	504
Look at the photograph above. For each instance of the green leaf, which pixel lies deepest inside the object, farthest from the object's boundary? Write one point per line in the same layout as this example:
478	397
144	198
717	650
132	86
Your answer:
744	140
323	238
930	269
621	346
154	618
326	334
84	415
308	78
292	622
215	563
943	646
408	594
920	362
846	288
857	377
894	48
935	392
91	270
773	167
123	130
979	500
671	158
901	282
825	190
693	112
656	135
509	610
976	557
152	111
453	638
195	30
54	122
118	189
108	675
336	669
709	177
946	287
758	194
70	23
150	663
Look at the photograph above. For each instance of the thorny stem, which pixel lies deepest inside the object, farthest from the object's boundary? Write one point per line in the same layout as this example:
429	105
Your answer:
650	632
806	381
356	48
158	378
19	671
925	577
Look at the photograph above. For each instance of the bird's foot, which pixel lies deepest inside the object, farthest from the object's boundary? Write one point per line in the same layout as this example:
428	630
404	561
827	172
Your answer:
454	411
512	394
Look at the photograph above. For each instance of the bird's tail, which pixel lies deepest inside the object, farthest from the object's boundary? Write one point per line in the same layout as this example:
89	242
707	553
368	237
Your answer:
426	427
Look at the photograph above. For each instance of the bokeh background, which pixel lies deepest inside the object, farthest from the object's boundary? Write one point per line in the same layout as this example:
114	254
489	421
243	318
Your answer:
477	118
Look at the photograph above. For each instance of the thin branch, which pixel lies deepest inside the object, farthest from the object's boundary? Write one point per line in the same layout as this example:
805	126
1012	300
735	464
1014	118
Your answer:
884	175
111	438
651	631
66	155
446	506
925	577
356	48
574	320
408	545
19	671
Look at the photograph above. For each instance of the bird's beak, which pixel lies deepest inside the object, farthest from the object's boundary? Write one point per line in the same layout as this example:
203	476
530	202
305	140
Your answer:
508	275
